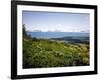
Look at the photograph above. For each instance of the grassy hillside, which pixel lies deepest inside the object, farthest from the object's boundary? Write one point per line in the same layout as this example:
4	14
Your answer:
38	53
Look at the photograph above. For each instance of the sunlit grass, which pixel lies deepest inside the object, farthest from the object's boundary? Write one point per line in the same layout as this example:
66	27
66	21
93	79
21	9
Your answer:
38	53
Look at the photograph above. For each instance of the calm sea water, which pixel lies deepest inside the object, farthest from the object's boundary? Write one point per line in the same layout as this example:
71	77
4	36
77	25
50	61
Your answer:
57	34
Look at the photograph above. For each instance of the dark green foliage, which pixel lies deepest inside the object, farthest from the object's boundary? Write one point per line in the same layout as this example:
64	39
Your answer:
76	39
24	31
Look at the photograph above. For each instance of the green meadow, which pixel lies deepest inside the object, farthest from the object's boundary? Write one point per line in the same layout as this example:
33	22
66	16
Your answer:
41	53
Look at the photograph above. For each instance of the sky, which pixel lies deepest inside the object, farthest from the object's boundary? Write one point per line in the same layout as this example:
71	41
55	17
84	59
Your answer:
56	21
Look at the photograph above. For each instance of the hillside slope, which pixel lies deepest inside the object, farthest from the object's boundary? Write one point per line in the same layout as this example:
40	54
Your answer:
38	53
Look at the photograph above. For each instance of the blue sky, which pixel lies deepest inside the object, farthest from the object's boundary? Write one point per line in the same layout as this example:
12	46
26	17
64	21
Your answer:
56	21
